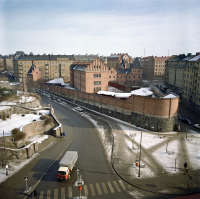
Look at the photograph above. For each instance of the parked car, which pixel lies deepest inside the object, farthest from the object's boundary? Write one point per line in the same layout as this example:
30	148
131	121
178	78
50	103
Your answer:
58	100
197	126
53	98
78	109
187	121
179	116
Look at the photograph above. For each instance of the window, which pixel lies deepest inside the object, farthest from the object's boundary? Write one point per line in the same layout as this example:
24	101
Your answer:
94	66
94	75
113	76
94	82
139	76
99	75
94	88
109	76
99	82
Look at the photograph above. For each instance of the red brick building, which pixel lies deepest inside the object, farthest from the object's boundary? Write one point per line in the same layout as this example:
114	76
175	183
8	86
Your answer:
93	76
34	74
89	76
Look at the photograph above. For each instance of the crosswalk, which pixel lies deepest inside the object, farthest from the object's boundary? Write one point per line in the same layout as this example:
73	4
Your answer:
90	190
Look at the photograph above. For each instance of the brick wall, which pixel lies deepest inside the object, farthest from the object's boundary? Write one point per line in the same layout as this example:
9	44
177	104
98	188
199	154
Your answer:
158	111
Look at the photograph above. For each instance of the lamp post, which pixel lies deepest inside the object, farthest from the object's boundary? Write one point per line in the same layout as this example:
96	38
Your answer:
140	155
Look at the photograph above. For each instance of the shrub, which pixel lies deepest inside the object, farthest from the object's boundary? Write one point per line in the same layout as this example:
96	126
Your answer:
43	117
48	121
15	131
17	134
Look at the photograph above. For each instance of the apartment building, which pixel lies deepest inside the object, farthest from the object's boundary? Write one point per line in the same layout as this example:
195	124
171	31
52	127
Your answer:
153	67
191	81
1	63
119	60
184	73
51	66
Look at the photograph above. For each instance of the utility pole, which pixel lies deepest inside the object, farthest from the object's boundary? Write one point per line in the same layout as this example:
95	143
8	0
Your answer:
140	155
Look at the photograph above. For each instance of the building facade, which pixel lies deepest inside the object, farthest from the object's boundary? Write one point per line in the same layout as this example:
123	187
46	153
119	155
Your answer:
153	67
90	76
51	66
119	60
93	76
184	75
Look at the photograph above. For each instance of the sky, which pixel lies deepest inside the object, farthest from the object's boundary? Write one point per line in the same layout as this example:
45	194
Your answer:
145	27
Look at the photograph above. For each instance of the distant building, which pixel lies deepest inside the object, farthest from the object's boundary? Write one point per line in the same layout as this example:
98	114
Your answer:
2	63
86	57
184	76
90	76
34	74
51	66
153	67
93	76
119	60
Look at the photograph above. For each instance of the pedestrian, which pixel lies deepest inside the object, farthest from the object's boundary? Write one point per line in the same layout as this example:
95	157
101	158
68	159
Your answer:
188	186
185	165
63	134
34	193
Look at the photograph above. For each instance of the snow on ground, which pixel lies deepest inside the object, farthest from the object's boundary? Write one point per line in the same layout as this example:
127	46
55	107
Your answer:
16	121
23	99
161	150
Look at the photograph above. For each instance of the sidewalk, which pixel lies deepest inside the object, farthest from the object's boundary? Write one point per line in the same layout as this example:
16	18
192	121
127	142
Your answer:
156	176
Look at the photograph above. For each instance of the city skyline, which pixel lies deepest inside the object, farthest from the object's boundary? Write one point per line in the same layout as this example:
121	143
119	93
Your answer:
102	27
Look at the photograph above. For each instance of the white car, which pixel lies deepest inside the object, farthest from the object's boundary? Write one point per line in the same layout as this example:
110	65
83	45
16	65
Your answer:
197	126
78	109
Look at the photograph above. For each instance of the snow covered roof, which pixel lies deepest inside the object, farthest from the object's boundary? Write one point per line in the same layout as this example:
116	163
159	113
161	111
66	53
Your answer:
170	96
56	81
142	92
106	93
122	95
196	58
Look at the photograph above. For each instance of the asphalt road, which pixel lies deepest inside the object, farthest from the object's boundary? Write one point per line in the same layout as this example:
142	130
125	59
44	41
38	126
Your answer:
99	179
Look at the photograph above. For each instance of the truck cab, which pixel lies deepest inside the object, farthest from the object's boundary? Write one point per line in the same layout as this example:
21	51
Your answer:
63	173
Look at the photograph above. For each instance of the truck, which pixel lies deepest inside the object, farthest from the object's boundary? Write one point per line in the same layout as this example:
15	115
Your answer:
66	165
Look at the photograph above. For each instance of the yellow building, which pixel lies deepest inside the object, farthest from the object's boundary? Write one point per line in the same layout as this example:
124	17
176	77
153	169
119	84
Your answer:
191	81
51	66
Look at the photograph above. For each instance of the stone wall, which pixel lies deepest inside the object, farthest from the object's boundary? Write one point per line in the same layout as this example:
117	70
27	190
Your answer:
36	128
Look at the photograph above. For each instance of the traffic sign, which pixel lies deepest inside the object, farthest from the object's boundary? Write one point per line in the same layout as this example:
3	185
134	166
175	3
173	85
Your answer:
79	188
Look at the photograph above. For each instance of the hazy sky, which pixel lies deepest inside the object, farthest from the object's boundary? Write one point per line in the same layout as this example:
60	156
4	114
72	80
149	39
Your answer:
100	27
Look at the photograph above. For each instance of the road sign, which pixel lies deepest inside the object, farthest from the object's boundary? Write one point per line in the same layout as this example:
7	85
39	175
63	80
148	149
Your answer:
25	178
79	188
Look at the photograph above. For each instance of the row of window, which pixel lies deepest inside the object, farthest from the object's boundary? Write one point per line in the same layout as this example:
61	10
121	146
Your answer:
97	89
97	75
97	82
59	62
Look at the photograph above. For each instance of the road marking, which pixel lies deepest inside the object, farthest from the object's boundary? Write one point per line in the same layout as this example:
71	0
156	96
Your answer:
122	185
48	194
104	188
55	193
69	192
110	187
116	186
41	194
85	189
92	189
62	193
98	189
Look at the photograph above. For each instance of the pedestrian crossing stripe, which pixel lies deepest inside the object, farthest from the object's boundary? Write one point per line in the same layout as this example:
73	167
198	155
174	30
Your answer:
88	190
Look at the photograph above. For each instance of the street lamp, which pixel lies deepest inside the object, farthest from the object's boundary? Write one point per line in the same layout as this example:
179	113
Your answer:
140	155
